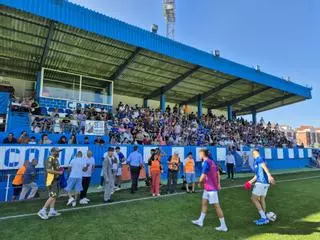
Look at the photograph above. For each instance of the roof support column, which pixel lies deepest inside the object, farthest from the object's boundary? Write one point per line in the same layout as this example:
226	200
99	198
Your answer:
145	103
254	116
162	101
229	111
199	105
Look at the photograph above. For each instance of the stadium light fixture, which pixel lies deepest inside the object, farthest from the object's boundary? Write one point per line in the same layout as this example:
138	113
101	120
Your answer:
154	28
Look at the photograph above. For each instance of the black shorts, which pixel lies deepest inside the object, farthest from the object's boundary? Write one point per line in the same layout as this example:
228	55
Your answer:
53	189
16	189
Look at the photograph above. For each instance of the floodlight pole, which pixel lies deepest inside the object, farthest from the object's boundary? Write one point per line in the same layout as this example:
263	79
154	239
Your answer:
169	11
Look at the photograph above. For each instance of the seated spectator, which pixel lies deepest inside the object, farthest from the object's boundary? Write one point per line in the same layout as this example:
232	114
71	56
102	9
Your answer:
63	140
86	140
10	139
99	141
32	140
45	139
73	139
24	138
66	124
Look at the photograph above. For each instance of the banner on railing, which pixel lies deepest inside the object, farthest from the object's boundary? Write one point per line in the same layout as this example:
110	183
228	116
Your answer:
12	157
94	128
247	163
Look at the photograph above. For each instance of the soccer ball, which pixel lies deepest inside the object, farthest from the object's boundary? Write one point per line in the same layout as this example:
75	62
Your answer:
271	216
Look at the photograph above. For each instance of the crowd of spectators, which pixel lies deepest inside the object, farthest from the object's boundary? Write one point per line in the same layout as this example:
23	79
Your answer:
176	127
139	125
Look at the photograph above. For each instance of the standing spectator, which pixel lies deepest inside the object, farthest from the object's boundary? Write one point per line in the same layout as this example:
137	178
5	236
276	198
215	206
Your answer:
173	167
135	161
99	141
18	181
108	175
230	164
86	177
29	181
10	139
53	172
121	160
35	108
189	170
24	138
155	170
77	167
45	139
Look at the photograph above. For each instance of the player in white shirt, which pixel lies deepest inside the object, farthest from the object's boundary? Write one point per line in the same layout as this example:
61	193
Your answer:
86	177
74	184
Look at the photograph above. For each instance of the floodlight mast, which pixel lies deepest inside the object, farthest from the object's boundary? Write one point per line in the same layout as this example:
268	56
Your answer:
169	11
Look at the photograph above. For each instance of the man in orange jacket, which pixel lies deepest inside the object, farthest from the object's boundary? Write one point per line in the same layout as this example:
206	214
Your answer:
18	181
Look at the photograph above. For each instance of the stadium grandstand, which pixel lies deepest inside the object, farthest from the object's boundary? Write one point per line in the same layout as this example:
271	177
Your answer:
77	80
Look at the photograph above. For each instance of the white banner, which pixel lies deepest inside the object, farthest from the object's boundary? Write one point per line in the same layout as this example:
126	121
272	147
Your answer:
12	157
94	128
309	153
280	153
221	154
267	153
301	153
197	154
247	160
291	152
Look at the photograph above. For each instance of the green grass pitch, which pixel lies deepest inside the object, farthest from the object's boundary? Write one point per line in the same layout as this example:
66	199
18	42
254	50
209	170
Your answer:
296	204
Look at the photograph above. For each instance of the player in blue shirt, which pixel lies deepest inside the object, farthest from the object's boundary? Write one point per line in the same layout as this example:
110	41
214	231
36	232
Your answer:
262	181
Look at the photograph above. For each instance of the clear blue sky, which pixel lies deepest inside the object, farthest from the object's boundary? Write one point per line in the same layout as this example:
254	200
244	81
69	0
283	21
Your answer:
283	37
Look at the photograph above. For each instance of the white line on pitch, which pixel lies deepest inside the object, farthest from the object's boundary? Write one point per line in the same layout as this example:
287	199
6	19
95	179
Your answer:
139	199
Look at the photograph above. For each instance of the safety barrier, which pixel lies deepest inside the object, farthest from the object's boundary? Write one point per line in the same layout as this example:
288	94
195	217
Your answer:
13	156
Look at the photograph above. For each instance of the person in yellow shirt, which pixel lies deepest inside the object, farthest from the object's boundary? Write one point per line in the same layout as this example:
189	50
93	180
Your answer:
53	172
189	171
18	181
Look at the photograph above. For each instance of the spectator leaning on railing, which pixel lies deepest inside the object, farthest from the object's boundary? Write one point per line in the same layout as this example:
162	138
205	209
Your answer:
29	181
18	180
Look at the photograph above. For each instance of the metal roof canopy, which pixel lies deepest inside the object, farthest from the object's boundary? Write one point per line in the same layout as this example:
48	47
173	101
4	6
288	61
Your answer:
64	36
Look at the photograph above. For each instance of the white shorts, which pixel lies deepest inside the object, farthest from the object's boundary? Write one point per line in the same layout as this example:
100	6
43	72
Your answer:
211	196
260	189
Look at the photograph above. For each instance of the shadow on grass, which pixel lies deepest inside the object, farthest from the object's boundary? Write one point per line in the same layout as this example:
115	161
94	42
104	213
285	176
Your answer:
297	228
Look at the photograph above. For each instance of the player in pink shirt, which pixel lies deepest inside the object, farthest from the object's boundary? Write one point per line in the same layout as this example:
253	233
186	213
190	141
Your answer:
211	178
